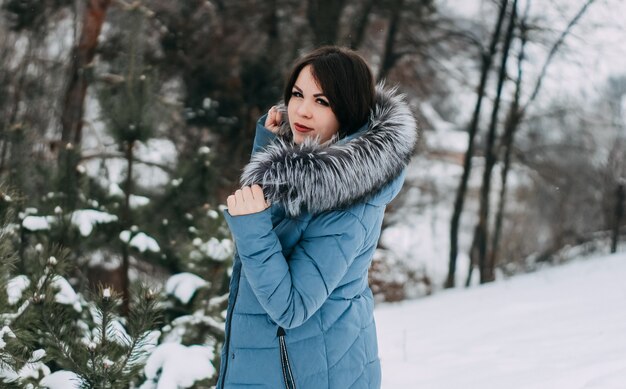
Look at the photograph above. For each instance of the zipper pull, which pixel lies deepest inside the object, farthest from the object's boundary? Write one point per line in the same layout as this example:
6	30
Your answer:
280	332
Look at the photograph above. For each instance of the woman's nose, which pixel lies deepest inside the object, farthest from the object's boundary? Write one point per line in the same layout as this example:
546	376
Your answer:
304	109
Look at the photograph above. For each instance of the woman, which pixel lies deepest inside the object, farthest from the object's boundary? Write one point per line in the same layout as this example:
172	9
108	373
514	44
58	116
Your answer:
306	223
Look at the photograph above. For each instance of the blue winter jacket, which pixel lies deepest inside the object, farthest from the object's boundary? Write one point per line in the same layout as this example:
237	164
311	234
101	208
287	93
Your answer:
300	310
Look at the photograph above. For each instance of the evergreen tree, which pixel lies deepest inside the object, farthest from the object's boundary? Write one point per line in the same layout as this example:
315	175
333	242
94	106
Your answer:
128	107
48	327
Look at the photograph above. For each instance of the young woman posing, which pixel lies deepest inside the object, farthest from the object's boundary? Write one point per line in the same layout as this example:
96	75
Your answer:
306	223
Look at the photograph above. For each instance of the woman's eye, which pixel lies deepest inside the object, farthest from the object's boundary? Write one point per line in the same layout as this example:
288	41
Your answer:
323	102
296	93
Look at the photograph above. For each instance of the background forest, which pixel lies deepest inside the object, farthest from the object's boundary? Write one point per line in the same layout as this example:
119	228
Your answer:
124	125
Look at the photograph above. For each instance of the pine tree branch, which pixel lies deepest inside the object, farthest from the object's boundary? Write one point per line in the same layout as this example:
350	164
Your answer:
87	157
9	318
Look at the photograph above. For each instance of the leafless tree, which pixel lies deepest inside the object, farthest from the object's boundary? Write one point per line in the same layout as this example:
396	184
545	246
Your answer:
516	115
487	58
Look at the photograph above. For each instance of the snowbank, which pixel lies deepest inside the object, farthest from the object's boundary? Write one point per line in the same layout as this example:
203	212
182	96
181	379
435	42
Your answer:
558	328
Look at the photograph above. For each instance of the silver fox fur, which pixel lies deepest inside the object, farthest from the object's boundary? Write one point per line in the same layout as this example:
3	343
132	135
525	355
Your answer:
315	177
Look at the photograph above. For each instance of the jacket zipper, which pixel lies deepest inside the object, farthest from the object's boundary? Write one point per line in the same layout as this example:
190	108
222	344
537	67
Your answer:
229	320
290	383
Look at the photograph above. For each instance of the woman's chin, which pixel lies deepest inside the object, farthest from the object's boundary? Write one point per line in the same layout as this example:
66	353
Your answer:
298	138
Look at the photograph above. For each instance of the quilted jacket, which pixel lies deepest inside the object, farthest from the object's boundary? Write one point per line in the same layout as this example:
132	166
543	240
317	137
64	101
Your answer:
300	312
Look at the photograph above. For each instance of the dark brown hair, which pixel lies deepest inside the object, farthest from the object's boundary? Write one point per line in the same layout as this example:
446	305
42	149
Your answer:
346	80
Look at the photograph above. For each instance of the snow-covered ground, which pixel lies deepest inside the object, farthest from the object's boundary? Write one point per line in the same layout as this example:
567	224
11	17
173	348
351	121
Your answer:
563	327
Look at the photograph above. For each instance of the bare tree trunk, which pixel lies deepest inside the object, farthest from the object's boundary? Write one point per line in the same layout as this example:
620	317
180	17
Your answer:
516	116
511	124
272	23
359	27
473	256
4	150
487	60
324	18
486	268
389	56
7	134
619	213
73	101
126	224
83	55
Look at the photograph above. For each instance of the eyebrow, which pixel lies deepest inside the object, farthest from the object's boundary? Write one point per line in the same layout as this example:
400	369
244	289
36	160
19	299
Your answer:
315	95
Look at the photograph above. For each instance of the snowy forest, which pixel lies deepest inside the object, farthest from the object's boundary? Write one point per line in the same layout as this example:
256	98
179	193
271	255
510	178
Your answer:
125	124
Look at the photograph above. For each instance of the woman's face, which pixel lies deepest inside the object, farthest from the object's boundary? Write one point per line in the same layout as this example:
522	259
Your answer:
309	110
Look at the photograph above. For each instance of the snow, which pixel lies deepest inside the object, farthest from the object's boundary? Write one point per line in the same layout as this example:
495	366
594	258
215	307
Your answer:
448	140
141	241
183	326
66	294
61	380
37	355
59	40
418	232
16	287
155	150
136	201
115	190
86	219
115	331
150	340
183	286
37	223
557	328
179	366
213	248
33	370
112	170
103	259
5	331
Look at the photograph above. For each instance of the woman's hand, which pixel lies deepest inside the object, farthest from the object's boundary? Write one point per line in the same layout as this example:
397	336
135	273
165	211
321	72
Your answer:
247	200
273	120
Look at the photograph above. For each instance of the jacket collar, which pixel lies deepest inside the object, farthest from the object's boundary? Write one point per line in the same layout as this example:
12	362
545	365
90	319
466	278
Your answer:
314	178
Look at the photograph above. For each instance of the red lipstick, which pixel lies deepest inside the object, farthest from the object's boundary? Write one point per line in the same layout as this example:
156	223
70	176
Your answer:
300	128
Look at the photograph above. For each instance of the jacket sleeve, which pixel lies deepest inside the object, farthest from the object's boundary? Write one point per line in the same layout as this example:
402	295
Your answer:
291	291
262	136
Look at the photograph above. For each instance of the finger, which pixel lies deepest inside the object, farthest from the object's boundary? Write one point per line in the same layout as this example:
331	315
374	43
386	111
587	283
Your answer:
257	192
247	193
279	117
232	205
238	197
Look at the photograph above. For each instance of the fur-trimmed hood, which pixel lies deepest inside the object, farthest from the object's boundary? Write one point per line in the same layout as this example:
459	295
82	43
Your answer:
316	177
